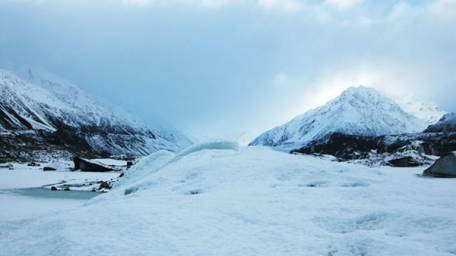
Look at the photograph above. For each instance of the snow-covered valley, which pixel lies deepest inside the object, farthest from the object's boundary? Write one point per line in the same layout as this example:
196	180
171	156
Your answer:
224	200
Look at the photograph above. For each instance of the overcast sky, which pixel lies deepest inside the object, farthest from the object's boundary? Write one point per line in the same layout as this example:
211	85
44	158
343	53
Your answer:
234	68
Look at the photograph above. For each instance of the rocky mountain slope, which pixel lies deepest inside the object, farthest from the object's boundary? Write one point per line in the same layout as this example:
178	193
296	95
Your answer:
41	117
357	111
446	124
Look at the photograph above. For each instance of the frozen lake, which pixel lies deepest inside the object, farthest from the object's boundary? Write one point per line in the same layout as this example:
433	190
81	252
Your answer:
22	198
39	193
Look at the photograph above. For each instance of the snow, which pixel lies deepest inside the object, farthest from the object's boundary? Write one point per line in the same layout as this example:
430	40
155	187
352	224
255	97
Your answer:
357	111
216	145
41	98
16	207
161	163
429	112
110	162
146	166
250	201
31	177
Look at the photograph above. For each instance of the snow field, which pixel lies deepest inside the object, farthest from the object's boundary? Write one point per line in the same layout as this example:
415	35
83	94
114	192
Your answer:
251	201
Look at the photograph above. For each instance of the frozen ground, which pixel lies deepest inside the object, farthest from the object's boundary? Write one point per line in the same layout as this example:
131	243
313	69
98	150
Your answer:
251	201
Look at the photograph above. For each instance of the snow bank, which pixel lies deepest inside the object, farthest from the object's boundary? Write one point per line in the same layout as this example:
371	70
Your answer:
214	145
158	160
145	167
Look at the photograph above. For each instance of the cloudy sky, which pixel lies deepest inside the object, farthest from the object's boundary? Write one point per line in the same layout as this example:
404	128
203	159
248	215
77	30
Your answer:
233	68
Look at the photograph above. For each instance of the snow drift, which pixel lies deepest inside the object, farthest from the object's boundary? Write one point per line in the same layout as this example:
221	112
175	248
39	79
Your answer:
161	160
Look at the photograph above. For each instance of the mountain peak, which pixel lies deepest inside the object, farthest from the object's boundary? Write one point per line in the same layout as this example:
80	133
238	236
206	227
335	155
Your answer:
359	91
357	111
362	93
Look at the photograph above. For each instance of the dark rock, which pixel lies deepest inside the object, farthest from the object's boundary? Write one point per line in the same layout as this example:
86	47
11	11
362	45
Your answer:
53	188
407	161
444	167
351	147
47	168
194	192
105	185
343	146
87	165
129	164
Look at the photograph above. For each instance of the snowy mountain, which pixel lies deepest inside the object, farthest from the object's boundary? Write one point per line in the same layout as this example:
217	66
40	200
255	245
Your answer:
431	113
446	124
357	111
39	111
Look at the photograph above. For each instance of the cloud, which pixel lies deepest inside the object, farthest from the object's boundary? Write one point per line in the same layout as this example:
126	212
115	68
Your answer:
343	4
228	67
445	9
287	5
280	79
137	2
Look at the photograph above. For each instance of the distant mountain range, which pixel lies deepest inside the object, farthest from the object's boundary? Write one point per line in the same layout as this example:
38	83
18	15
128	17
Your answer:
42	116
362	121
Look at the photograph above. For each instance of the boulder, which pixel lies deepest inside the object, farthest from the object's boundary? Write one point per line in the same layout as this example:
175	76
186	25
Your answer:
33	164
444	167
48	168
407	161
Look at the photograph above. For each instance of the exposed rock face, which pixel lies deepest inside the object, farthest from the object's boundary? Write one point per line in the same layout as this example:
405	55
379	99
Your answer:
46	119
445	167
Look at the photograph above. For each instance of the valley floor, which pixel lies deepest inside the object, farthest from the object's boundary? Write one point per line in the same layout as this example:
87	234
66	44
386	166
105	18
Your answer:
251	201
